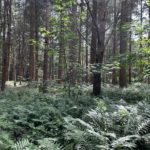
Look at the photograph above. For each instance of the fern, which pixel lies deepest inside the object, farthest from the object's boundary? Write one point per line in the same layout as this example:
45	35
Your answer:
144	128
24	145
49	144
126	142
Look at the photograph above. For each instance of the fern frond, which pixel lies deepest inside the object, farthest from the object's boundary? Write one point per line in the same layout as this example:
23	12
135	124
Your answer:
20	145
126	142
144	128
49	144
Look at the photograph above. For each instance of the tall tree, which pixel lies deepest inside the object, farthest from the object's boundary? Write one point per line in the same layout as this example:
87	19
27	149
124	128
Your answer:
73	45
6	40
46	57
125	21
123	42
100	26
94	36
61	45
114	74
32	37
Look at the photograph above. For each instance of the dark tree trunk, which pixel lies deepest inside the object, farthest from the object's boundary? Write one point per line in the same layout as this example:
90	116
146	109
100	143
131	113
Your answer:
46	57
6	41
123	42
94	36
100	46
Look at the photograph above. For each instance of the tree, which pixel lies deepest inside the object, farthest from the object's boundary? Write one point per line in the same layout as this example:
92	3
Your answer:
100	35
73	44
45	63
6	41
94	36
61	45
123	42
114	75
32	37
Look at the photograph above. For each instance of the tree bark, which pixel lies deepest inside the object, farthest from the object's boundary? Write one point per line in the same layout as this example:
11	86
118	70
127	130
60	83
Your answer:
32	37
123	42
94	37
114	73
73	43
6	41
46	57
61	48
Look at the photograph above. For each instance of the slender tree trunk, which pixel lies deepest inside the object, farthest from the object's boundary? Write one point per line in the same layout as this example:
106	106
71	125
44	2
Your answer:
123	42
46	57
114	73
94	36
36	38
61	48
130	50
149	38
19	60
32	37
87	50
4	52
141	36
6	41
73	54
14	67
8	44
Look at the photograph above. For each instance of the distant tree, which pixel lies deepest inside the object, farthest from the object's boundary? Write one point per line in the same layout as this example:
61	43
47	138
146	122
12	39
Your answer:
46	57
32	37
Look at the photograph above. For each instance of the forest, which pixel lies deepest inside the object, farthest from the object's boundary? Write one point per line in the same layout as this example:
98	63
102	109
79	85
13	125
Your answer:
74	74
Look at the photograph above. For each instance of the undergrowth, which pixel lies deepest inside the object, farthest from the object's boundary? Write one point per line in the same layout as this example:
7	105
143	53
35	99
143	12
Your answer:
30	120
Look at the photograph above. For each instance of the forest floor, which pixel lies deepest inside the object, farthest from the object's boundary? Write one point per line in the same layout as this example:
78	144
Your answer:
10	84
30	120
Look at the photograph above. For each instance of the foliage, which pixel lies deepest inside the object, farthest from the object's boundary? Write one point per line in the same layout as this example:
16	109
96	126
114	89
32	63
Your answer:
113	128
39	121
134	93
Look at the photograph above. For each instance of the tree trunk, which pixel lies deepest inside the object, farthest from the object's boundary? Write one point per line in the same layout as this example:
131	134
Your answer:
130	50
46	57
114	73
100	46
87	48
73	54
4	52
6	41
149	37
61	48
123	42
94	36
36	38
32	37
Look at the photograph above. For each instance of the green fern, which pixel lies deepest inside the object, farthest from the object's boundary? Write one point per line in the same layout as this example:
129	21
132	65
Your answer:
125	142
24	145
49	144
144	128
